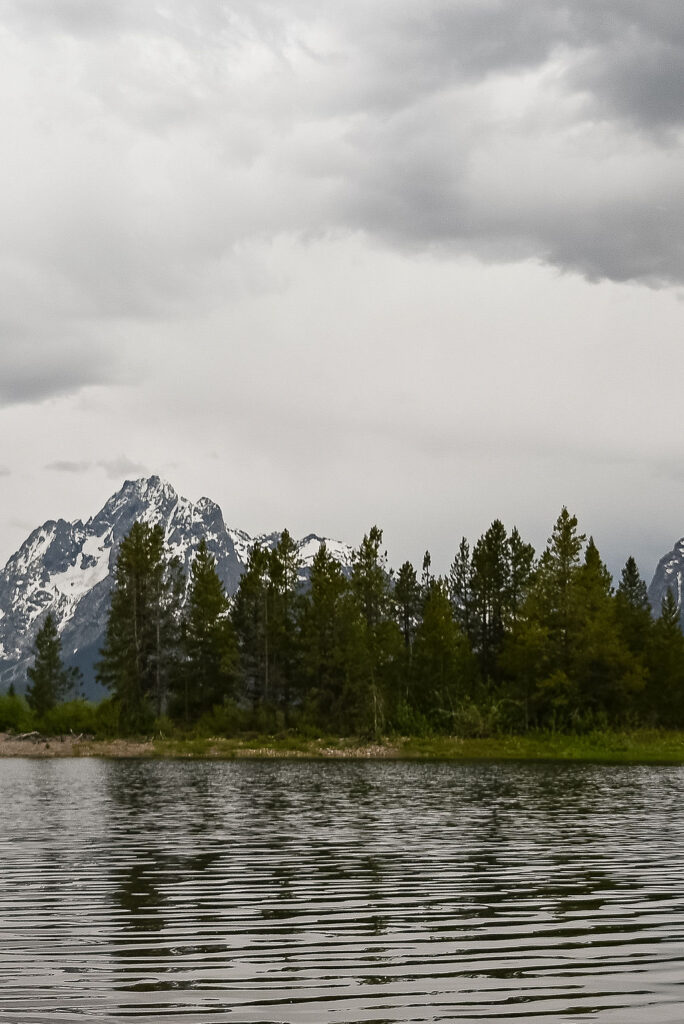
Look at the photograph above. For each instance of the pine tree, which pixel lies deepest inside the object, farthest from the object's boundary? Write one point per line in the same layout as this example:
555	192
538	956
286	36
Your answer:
443	664
371	589
407	595
521	561
284	565
250	620
633	609
490	586
328	622
555	592
665	658
461	587
607	674
209	645
140	655
537	652
51	682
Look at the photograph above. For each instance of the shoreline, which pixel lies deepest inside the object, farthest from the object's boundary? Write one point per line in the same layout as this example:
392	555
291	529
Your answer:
638	747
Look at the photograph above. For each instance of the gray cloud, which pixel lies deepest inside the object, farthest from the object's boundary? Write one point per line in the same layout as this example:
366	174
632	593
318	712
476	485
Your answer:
155	148
115	469
65	466
122	466
33	369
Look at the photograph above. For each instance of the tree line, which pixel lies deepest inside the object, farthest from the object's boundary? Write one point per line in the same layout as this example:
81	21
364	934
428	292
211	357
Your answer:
506	640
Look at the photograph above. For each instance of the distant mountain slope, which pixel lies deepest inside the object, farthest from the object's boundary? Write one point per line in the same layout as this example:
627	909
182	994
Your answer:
669	575
66	568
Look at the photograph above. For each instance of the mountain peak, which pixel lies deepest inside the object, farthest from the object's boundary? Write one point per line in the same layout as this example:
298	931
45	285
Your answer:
67	569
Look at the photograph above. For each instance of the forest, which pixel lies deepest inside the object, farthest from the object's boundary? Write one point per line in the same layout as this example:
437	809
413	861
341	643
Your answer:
506	642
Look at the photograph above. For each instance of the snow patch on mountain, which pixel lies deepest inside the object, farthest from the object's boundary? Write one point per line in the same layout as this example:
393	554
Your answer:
66	568
91	568
669	575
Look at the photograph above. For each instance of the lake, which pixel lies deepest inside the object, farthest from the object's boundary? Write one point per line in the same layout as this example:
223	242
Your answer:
346	891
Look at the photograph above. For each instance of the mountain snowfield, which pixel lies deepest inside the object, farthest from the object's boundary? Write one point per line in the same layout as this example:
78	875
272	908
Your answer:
67	569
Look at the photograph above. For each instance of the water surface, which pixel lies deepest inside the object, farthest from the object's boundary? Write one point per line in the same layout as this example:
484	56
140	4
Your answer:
340	892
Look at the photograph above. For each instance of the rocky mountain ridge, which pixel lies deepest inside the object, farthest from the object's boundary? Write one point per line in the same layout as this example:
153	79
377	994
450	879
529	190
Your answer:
67	568
669	575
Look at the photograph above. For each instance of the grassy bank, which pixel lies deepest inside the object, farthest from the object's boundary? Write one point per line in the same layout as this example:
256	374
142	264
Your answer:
637	747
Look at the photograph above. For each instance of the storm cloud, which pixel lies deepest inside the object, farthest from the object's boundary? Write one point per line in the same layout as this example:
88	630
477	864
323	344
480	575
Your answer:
329	241
149	144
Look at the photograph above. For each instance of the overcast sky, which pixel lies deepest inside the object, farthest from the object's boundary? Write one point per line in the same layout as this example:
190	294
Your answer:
341	262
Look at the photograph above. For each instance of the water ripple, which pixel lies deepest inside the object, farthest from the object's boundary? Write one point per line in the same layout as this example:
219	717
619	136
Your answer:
337	893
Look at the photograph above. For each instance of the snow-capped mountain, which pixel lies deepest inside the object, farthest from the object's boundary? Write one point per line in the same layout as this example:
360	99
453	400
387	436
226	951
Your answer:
67	569
669	575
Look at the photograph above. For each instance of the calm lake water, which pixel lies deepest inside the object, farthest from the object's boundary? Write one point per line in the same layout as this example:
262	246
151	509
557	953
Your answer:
340	892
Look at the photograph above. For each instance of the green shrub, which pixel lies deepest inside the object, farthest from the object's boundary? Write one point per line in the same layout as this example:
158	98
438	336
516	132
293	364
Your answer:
15	714
74	716
107	714
408	721
164	726
223	720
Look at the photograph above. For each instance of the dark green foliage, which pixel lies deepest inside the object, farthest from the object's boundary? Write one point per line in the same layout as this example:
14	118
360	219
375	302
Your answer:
608	676
51	682
443	667
461	587
140	657
283	587
207	675
520	573
76	717
555	594
250	619
632	608
15	714
327	620
377	641
665	659
505	643
408	596
264	616
490	586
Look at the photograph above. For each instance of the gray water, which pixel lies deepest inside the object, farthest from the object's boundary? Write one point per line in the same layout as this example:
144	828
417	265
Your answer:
340	892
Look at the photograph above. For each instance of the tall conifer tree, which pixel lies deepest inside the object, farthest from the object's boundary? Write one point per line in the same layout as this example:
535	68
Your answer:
140	652
50	682
209	644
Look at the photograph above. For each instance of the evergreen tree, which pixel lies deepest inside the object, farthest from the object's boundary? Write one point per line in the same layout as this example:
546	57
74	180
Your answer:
250	619
329	628
537	653
665	659
209	645
607	674
140	655
407	595
461	587
521	567
426	576
51	682
284	565
377	656
490	587
443	665
633	609
555	593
